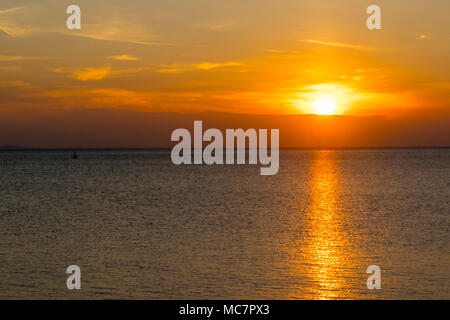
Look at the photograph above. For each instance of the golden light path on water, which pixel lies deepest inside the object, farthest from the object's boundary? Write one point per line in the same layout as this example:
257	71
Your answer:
327	239
324	258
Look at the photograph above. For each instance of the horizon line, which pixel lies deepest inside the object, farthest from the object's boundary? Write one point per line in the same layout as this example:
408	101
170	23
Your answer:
14	148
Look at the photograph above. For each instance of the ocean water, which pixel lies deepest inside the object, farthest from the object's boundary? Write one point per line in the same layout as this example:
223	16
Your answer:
140	227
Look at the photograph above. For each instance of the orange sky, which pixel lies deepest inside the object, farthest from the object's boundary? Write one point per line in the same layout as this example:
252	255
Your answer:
154	60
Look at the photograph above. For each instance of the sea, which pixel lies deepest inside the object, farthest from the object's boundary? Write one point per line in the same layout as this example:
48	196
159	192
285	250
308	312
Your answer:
140	227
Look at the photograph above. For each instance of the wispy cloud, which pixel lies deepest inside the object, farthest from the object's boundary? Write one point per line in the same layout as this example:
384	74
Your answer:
423	36
2	68
426	36
276	51
124	57
121	30
15	31
24	22
4	34
11	27
22	58
117	39
21	84
198	66
217	26
215	65
337	44
10	10
106	97
93	74
174	69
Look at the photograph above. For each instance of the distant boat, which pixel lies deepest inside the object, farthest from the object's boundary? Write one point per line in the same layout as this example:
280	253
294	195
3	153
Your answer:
74	156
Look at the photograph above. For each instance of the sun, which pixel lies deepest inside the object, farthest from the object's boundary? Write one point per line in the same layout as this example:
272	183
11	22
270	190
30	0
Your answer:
326	99
324	107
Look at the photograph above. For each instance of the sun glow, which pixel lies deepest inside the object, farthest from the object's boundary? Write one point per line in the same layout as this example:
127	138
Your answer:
324	107
328	99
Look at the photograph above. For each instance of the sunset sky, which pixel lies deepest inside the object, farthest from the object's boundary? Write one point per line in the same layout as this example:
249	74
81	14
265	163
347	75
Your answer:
139	68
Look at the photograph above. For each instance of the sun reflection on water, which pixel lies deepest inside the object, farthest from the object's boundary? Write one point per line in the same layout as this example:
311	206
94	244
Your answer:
325	247
324	257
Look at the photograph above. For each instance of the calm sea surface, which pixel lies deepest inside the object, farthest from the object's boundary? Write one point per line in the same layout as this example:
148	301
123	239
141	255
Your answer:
140	227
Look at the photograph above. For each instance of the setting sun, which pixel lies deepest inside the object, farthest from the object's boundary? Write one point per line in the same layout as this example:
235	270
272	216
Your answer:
324	107
328	99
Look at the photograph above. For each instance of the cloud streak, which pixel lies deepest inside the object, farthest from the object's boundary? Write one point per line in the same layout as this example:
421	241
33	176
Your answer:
205	66
337	44
95	74
10	10
4	34
21	58
117	39
124	57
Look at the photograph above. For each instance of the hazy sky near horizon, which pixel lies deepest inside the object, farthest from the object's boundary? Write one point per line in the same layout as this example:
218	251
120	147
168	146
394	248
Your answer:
253	57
